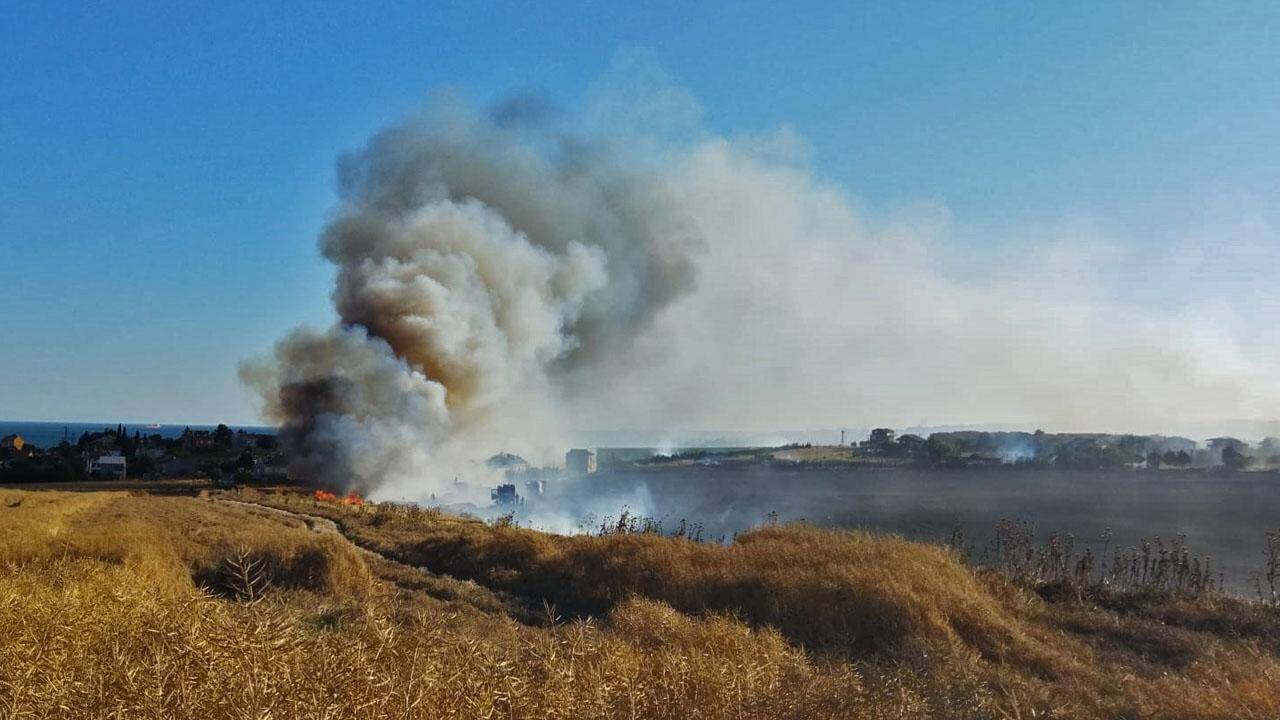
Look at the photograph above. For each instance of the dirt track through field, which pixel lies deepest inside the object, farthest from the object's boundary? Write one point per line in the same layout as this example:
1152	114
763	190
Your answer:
404	576
315	523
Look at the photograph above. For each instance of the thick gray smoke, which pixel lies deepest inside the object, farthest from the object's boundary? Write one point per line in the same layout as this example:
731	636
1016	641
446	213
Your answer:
478	261
351	411
501	281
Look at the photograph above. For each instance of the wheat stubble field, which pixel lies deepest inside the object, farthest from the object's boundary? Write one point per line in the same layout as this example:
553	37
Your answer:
116	605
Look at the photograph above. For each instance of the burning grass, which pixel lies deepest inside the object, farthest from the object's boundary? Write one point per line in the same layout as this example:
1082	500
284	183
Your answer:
119	606
348	499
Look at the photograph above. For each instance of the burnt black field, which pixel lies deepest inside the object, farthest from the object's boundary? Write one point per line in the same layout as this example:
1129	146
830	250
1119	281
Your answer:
1223	515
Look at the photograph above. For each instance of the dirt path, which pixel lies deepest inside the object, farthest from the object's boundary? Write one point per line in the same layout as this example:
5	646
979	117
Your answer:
323	526
316	523
411	578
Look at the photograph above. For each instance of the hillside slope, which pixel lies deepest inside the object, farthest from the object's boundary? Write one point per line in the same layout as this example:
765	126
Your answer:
118	605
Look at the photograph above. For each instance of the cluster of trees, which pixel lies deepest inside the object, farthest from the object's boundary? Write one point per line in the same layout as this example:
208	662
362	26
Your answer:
225	453
119	438
130	446
1069	450
1178	459
221	439
241	468
60	464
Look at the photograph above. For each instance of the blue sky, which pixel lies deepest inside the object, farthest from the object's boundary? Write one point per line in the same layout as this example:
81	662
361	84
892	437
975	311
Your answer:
164	170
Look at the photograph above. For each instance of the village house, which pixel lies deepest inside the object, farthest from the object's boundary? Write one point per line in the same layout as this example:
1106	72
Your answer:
507	462
111	466
198	440
580	461
242	440
271	469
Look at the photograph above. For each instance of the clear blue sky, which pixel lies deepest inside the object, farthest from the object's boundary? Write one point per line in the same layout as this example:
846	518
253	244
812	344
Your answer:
164	170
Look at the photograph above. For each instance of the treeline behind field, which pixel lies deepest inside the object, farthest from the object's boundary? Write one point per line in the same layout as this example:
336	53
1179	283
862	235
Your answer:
1090	450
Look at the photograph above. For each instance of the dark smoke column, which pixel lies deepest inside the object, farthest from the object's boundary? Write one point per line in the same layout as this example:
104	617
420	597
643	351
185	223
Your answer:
478	266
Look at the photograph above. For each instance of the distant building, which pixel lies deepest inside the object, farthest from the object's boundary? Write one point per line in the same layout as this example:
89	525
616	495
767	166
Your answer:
879	439
242	440
108	466
505	495
580	462
1219	444
1176	444
536	488
197	440
12	442
1220	448
507	462
911	444
271	470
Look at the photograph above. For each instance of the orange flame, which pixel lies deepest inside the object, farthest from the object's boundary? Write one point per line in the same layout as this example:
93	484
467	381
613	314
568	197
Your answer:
351	498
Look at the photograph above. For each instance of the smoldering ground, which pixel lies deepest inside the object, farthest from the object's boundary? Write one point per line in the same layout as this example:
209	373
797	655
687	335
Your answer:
504	278
1225	518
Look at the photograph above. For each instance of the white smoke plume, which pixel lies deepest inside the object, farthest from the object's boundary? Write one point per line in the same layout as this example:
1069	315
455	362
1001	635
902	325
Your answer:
810	314
502	281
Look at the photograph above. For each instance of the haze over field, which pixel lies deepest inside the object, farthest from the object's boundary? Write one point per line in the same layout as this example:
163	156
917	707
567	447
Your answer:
598	360
511	273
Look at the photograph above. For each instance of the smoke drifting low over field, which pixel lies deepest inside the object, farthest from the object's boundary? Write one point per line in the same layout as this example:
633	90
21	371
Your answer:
505	277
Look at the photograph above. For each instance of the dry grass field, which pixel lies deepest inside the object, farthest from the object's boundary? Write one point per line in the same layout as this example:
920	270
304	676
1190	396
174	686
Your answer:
115	605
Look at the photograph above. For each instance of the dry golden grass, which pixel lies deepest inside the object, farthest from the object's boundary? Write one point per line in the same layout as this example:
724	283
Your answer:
117	606
179	541
116	648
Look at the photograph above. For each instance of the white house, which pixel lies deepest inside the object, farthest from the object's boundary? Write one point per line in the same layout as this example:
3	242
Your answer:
108	466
